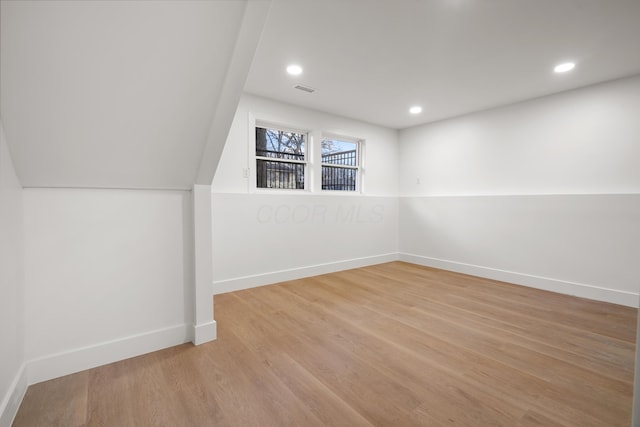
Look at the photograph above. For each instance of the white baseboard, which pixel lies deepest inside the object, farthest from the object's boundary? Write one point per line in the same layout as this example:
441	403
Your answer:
12	400
582	290
246	282
204	332
80	359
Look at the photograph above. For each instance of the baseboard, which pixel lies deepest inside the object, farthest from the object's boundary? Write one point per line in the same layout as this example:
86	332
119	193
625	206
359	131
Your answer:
12	400
80	359
554	285
204	332
246	282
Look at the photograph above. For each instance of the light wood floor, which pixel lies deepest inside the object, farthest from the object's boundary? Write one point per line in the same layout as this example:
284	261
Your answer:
389	345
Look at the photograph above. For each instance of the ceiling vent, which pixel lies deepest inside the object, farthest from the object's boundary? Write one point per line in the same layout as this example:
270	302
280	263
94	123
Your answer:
304	88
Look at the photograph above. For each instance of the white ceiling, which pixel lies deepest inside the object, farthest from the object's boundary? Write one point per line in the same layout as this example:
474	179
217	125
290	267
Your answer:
141	94
121	93
372	60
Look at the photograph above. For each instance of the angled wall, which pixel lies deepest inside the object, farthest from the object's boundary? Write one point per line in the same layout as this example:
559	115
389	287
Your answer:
124	94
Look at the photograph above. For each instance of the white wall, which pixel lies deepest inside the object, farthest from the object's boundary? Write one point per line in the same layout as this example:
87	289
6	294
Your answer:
108	275
579	142
261	239
12	385
544	193
266	236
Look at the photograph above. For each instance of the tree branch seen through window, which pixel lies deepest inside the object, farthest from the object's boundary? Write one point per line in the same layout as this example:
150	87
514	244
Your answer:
280	159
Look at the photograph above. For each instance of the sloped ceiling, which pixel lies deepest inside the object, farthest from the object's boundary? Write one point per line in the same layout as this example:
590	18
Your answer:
372	60
122	94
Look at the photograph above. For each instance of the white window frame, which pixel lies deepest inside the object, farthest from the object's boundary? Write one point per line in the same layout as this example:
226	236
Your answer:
252	172
360	144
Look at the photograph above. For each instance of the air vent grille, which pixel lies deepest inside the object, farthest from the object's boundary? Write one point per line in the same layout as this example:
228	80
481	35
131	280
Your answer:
304	88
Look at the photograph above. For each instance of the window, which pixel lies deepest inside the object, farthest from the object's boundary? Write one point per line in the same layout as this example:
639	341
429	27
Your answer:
340	164
280	158
309	160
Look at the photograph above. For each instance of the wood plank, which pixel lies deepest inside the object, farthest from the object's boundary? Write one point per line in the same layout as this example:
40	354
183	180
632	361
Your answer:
391	344
485	372
58	402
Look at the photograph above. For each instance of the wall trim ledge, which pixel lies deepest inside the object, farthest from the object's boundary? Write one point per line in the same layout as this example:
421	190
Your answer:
12	400
246	282
582	290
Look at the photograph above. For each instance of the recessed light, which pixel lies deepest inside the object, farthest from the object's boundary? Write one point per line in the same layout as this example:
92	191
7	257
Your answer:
563	68
415	110
294	70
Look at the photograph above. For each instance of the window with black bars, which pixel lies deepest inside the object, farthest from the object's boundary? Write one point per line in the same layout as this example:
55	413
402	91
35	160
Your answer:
280	159
340	165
